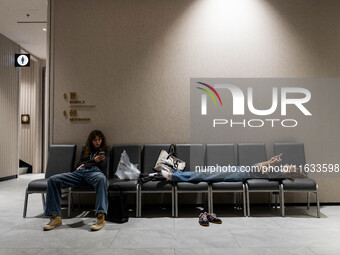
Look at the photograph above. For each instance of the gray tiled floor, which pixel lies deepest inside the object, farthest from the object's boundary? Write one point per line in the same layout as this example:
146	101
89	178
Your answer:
264	233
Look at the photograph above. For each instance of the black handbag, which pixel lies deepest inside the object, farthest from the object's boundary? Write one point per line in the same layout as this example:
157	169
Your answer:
118	210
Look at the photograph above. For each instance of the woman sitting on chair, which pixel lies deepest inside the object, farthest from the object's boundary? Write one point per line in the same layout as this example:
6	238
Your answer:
88	171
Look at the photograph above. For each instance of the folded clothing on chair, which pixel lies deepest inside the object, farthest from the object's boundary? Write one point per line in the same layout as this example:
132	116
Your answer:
147	177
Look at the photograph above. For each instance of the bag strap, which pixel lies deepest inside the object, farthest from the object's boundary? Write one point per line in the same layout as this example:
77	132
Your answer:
172	150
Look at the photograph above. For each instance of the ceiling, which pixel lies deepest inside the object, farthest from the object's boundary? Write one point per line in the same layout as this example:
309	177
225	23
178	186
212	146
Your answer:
30	36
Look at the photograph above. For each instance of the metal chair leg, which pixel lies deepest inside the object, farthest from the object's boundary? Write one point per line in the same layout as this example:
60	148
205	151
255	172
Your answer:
308	200
282	201
43	200
176	203
234	201
240	199
162	198
270	199
207	200
237	196
275	199
317	201
25	204
69	203
248	202
137	201
211	202
79	201
244	201
140	202
173	201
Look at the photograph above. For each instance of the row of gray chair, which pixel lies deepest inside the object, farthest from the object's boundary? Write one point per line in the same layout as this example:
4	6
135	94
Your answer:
193	155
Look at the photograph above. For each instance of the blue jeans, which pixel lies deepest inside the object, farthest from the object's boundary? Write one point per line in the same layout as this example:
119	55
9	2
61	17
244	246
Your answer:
187	176
232	175
80	177
238	173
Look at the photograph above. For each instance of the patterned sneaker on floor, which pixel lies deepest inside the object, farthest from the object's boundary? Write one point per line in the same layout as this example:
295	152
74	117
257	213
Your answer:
212	218
100	222
55	221
203	220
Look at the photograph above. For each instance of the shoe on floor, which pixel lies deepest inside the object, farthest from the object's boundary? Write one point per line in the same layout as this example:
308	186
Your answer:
55	221
212	218
203	220
100	222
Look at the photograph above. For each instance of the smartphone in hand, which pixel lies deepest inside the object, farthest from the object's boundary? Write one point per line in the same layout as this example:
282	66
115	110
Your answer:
102	153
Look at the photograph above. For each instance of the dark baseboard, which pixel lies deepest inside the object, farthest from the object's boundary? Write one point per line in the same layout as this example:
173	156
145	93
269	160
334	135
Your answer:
8	178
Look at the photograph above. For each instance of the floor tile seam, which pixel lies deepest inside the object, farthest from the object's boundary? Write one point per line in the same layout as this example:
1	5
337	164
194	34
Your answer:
311	249
139	228
7	231
37	250
256	229
246	248
51	248
94	248
179	247
144	248
304	228
276	247
114	239
237	242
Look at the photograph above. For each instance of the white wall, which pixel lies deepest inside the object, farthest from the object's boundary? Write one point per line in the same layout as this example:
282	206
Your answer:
9	98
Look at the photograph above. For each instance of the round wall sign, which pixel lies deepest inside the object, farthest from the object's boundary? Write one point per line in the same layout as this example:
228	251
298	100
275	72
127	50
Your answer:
22	60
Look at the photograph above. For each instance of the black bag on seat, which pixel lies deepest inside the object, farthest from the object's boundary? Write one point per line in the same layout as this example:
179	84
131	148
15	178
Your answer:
118	210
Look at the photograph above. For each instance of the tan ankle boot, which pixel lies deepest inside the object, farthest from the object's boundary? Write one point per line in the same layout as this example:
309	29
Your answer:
55	221
100	222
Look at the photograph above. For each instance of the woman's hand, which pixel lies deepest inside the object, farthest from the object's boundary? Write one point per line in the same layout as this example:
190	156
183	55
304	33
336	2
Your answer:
99	158
80	166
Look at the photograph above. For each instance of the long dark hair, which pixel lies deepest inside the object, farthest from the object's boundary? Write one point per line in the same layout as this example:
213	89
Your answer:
89	145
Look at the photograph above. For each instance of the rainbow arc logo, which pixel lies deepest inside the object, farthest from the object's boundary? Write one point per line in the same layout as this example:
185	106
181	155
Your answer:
209	93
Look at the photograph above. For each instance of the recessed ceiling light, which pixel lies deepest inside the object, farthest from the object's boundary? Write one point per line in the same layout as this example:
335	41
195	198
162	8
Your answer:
44	29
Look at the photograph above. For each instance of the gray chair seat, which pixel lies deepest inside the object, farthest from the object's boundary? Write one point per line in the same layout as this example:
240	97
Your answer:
227	186
157	186
122	185
192	186
262	184
37	185
299	184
